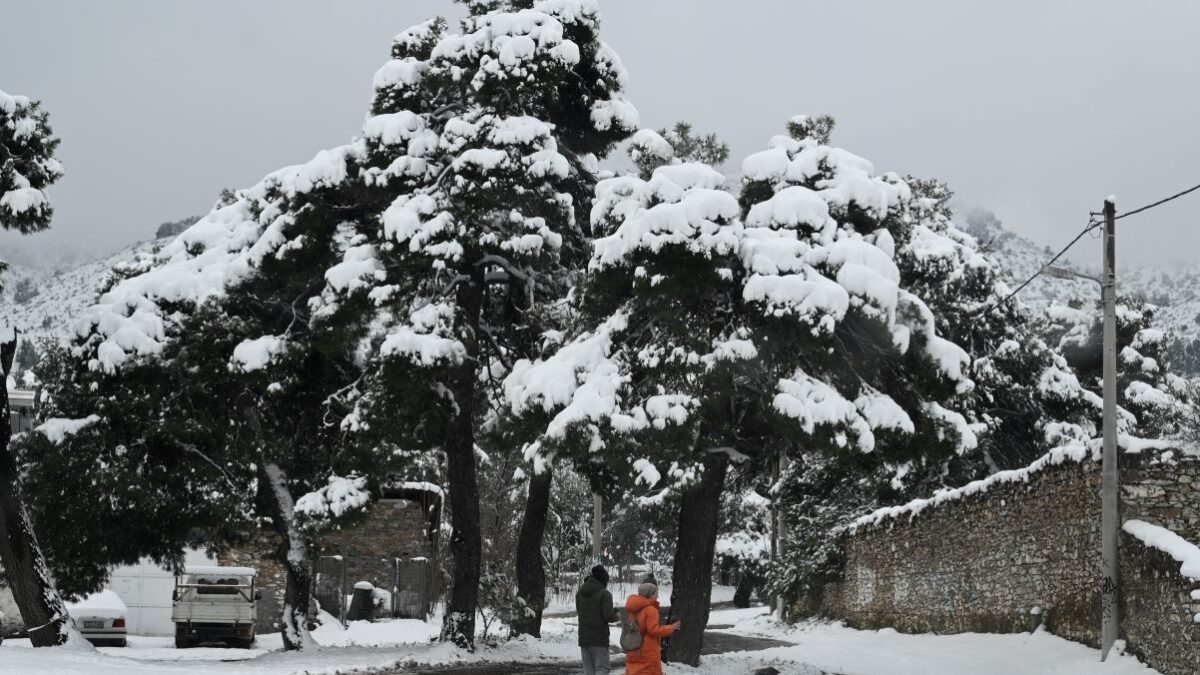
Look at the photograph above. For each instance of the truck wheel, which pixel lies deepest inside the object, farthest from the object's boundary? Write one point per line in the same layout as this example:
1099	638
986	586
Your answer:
182	642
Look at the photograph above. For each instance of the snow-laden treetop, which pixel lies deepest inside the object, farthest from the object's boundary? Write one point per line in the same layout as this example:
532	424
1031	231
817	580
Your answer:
27	164
815	260
490	110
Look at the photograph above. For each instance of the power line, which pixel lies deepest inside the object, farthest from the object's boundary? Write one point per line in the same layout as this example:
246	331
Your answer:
1092	224
1158	203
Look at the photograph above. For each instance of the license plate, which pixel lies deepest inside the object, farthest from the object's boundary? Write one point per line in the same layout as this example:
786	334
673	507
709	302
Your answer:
93	624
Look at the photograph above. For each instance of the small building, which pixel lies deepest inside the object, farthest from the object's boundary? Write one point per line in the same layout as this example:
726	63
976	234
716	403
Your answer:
394	547
20	410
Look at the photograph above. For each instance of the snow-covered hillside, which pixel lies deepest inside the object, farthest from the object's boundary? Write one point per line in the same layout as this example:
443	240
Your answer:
1173	287
58	295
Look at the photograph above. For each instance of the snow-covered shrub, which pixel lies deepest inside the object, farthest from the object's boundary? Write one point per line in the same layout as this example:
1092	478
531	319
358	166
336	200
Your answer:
499	606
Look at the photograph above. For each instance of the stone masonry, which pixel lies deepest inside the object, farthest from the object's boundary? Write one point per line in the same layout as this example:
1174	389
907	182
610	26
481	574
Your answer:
1009	555
398	527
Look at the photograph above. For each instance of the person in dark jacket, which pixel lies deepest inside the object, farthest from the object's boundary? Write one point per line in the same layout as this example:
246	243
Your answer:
594	607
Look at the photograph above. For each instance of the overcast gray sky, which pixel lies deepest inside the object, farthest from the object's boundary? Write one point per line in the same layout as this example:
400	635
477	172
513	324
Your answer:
1036	110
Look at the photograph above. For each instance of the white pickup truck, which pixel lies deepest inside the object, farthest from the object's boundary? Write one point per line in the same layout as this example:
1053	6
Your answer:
215	604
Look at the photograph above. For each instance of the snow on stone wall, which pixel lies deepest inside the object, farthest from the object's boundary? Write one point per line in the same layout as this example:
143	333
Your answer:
1027	552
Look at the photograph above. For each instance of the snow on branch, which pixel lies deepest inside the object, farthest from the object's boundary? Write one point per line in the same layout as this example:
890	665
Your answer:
341	497
57	429
814	404
580	381
220	250
256	354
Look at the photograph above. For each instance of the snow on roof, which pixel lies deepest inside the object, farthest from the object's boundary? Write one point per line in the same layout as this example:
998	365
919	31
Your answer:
105	604
20	398
420	485
1182	550
1073	452
217	571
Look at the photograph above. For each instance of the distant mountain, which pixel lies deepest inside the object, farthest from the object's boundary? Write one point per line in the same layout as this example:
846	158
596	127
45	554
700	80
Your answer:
1173	287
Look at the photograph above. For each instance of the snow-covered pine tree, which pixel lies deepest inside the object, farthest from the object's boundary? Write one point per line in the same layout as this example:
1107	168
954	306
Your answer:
246	313
1154	402
27	167
1024	400
1019	418
117	470
711	339
27	164
503	122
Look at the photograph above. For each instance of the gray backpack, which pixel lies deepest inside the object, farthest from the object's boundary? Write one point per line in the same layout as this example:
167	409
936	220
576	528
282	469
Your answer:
631	634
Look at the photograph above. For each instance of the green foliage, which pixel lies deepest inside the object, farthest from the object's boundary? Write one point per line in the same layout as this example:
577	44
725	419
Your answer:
134	483
27	164
174	227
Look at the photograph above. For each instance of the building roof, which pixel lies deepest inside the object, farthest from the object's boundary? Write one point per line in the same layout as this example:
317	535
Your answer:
20	398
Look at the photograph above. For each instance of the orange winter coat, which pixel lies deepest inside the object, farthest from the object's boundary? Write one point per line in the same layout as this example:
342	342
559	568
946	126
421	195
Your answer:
648	659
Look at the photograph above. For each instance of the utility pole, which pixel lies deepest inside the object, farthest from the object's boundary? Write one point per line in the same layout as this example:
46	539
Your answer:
597	526
780	469
1109	489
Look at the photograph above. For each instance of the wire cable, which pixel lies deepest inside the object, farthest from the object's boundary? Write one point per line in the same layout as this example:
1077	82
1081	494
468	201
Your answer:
1160	202
1092	224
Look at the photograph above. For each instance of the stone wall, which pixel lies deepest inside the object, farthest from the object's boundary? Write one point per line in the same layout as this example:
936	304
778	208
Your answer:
262	551
391	528
1158	610
1023	548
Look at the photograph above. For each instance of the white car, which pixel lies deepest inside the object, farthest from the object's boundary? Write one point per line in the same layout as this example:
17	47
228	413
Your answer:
100	618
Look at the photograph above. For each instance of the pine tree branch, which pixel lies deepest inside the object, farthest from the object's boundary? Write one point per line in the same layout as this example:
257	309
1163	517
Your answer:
194	450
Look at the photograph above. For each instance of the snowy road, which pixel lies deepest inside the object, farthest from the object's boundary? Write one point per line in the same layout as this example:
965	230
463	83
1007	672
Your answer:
753	641
715	642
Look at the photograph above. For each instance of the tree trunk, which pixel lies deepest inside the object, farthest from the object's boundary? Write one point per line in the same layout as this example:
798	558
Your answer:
531	574
699	512
294	554
458	625
296	599
42	609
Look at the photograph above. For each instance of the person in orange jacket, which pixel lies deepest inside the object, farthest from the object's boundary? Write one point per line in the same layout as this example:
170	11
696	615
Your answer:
643	607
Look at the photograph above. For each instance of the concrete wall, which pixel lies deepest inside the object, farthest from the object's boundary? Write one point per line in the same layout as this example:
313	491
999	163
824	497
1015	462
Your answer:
1005	555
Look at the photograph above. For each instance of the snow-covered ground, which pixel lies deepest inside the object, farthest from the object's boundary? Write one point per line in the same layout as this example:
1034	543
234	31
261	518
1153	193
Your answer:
819	646
833	648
